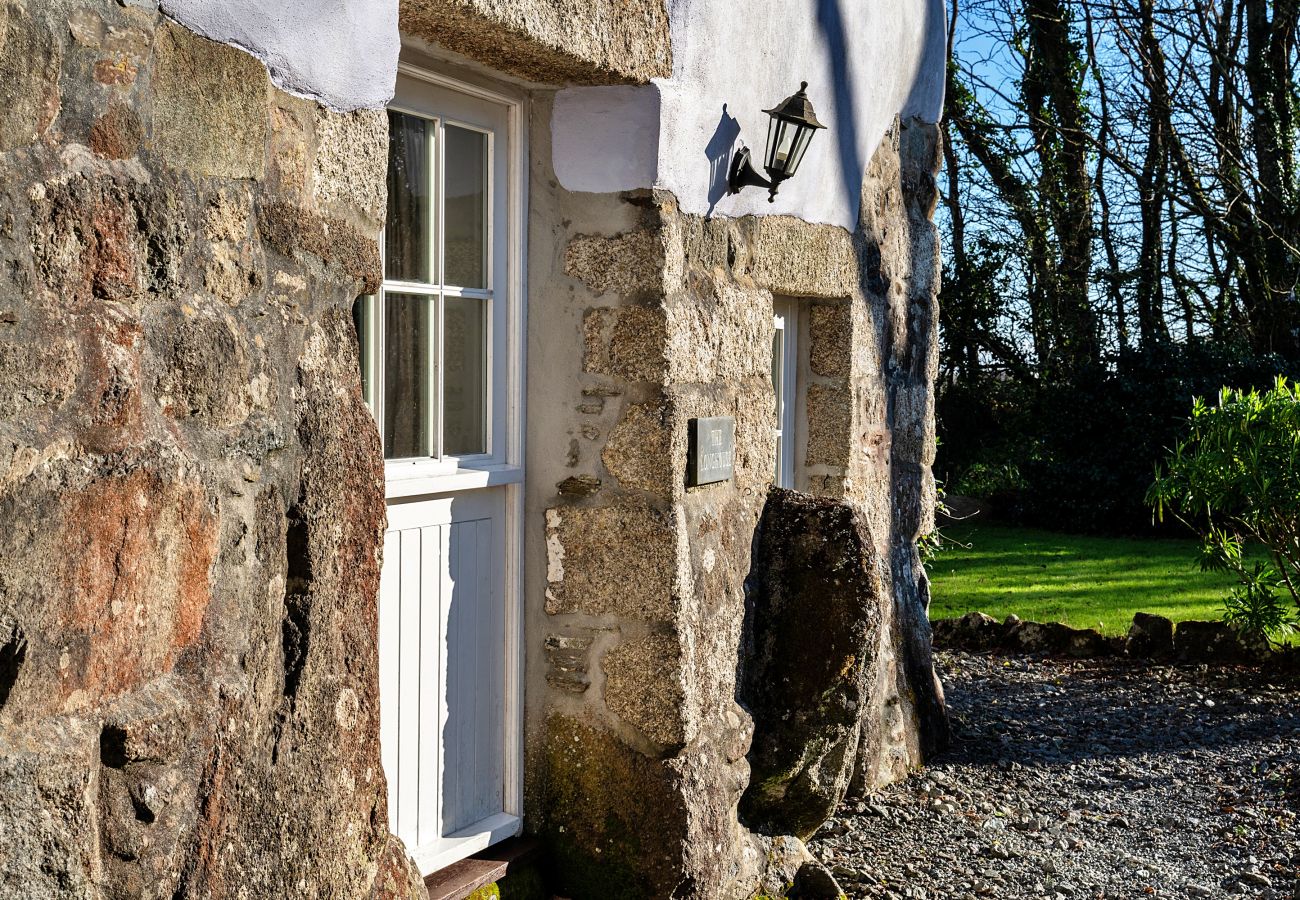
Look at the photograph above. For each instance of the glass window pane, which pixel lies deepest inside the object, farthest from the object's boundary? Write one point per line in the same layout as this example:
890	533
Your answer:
778	377
464	399
465	215
361	322
406	231
408	321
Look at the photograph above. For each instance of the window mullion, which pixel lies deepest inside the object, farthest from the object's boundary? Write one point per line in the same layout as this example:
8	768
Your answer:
437	372
437	209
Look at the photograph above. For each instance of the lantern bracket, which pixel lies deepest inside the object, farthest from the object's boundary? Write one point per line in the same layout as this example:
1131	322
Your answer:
743	175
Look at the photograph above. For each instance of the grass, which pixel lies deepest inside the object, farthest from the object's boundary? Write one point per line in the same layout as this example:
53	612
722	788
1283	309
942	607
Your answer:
1085	582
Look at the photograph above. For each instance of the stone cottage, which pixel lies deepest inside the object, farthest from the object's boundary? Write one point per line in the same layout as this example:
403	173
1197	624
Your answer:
409	441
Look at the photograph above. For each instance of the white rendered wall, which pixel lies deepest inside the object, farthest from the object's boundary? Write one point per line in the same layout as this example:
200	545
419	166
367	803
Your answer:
865	62
341	52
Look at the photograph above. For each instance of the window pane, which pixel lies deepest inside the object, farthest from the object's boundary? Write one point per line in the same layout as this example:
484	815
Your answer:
465	216
407	331
361	322
464	399
778	376
406	232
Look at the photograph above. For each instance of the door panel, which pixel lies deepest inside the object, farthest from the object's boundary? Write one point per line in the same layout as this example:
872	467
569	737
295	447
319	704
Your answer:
442	650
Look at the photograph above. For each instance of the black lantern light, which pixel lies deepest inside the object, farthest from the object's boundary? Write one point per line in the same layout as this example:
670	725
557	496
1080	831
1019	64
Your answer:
790	131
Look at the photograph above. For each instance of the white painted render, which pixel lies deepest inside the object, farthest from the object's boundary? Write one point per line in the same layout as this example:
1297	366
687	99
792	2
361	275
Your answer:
606	139
866	61
340	52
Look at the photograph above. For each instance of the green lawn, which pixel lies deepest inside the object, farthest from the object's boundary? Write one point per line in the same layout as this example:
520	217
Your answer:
1085	582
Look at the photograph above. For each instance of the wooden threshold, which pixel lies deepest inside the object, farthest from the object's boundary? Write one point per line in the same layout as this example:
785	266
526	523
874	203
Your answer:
459	880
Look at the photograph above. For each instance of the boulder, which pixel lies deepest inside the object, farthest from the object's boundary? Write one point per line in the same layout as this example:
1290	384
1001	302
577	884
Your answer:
1214	642
1085	643
784	856
1039	637
1150	637
815	882
814	619
973	631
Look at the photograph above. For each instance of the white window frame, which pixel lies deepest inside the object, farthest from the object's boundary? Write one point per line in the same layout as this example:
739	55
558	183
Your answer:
503	467
503	463
785	321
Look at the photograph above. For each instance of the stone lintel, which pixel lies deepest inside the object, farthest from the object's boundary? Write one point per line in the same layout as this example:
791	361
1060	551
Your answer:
589	43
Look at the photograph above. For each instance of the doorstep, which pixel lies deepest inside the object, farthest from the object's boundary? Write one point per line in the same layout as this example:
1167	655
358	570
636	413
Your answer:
461	879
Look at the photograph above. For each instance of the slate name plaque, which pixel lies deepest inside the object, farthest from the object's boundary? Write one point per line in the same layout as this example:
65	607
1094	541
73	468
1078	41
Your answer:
712	444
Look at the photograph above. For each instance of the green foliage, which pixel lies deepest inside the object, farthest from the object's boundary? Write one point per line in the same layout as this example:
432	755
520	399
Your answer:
1077	455
523	883
1235	481
930	543
990	480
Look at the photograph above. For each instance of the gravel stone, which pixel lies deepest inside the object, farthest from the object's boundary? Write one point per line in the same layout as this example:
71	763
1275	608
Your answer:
1090	780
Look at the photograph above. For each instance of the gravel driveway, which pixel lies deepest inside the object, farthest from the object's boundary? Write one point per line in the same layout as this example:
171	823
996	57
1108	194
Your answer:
1092	779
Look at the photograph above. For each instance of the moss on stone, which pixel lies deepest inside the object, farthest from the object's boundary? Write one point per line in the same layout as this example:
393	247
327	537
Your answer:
616	820
524	883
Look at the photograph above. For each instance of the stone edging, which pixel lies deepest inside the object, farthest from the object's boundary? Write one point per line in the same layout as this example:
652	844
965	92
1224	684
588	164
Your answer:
1149	638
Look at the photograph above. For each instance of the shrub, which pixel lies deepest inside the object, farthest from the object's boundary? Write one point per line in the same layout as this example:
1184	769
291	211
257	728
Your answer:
1235	481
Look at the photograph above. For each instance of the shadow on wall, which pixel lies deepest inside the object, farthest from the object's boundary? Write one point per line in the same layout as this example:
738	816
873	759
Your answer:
718	152
830	20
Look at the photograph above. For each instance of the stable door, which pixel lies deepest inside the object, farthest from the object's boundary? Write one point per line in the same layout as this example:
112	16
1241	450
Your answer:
441	358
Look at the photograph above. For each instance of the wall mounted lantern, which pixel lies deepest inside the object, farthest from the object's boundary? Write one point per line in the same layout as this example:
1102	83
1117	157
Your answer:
790	131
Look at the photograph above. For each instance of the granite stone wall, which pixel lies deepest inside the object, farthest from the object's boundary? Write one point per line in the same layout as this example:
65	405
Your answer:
191	488
639	743
549	42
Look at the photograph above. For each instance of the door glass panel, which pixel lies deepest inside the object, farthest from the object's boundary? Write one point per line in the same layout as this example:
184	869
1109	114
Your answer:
406	234
465	215
408	336
465	381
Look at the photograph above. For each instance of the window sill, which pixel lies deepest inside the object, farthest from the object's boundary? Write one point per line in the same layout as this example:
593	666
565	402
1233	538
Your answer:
463	878
420	485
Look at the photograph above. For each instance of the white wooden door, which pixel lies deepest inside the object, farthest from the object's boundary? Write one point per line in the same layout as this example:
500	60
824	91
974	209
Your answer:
442	620
441	361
